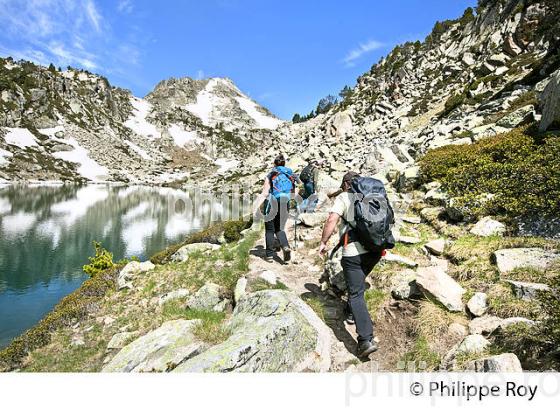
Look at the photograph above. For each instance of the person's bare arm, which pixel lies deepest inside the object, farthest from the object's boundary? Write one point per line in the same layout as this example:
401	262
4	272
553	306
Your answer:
263	195
328	230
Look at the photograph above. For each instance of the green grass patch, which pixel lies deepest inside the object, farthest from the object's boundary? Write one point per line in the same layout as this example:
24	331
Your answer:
374	301
420	357
261	284
503	303
316	304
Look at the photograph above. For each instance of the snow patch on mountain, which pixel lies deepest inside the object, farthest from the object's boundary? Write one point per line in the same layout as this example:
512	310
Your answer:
20	137
262	120
226	164
182	137
87	167
138	122
205	102
3	155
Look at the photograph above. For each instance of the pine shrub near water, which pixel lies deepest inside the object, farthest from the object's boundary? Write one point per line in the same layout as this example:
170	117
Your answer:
512	175
102	260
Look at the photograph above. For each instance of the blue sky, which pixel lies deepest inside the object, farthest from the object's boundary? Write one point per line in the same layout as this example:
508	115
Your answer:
285	54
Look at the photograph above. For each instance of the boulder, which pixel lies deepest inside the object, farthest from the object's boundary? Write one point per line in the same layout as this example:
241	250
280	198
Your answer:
271	331
510	259
312	219
527	290
119	340
503	363
513	321
326	184
333	274
488	227
401	260
436	197
206	297
130	270
473	344
240	289
484	325
159	350
182	255
510	47
341	125
403	285
431	214
269	277
436	247
408	179
498	59
176	294
412	219
477	304
457	330
438	285
550	102
517	117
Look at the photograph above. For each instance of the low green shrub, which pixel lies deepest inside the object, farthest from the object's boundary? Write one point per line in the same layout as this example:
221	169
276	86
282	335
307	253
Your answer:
101	261
513	174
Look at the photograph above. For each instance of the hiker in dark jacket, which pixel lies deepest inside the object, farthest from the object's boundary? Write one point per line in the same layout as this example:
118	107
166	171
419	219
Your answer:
277	191
309	176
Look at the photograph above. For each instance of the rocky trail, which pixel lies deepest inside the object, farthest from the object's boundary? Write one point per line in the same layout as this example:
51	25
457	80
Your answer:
303	275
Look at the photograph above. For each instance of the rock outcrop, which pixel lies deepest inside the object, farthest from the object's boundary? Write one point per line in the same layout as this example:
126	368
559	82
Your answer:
550	101
160	350
271	331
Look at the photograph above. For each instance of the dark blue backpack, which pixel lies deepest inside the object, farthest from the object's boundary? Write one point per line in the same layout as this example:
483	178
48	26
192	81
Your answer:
281	182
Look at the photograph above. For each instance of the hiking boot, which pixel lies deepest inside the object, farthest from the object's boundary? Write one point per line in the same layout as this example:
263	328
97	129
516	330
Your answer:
366	347
269	259
350	318
287	253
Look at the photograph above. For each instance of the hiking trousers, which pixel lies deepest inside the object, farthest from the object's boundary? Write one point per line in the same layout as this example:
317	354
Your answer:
276	216
356	268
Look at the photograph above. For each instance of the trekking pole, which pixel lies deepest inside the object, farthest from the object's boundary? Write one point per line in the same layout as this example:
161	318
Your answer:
295	227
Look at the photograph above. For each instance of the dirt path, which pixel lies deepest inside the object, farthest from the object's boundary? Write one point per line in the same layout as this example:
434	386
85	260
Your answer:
302	274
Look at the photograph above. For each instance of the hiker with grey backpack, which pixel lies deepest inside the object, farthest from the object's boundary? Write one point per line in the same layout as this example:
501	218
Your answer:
365	233
278	190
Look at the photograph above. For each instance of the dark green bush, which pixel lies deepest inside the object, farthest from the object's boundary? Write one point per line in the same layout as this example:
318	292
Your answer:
519	169
232	229
453	102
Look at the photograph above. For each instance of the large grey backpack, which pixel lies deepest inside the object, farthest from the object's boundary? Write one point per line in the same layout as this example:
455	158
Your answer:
373	215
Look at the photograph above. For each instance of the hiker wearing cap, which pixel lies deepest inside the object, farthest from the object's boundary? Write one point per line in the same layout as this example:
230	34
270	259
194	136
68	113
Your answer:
309	176
365	232
278	189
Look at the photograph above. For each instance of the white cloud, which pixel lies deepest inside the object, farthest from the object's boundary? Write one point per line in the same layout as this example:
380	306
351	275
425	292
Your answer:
199	74
69	32
93	15
125	6
364	48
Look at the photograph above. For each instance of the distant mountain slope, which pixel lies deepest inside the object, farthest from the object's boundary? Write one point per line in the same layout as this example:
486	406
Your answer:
73	125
